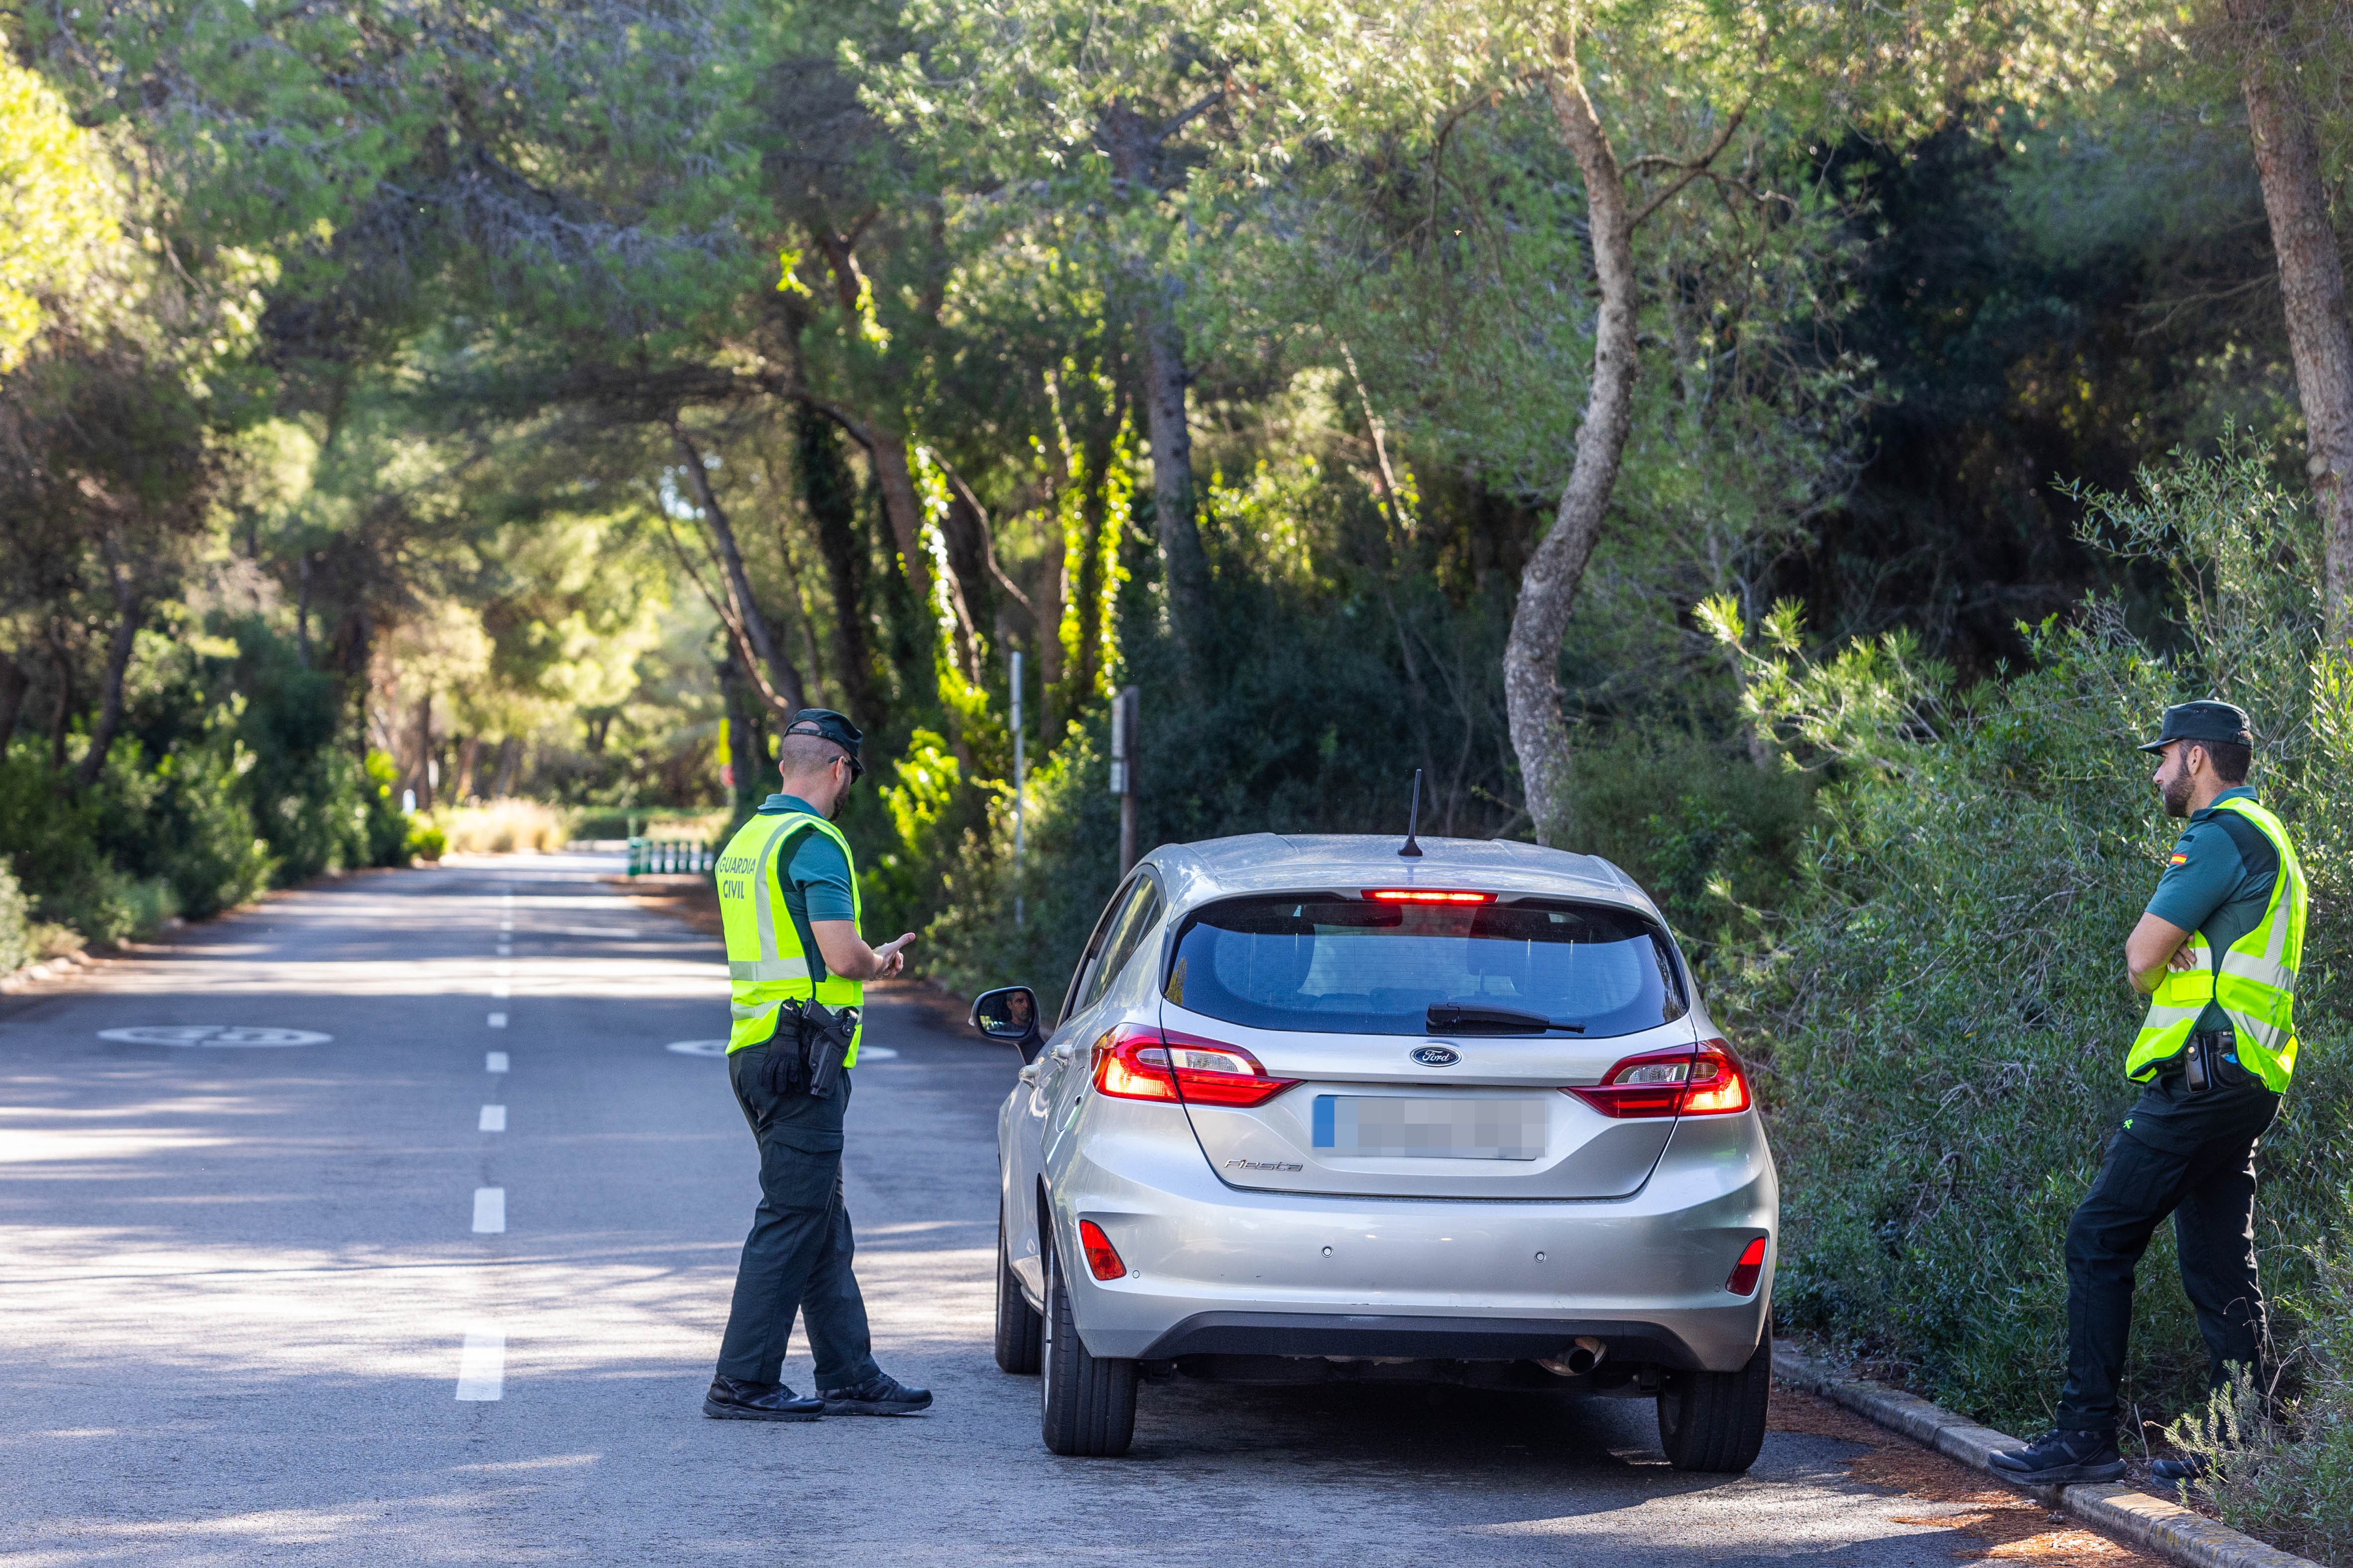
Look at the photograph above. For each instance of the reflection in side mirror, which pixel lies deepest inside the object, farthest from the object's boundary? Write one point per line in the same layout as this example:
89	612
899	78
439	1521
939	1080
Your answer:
1009	1013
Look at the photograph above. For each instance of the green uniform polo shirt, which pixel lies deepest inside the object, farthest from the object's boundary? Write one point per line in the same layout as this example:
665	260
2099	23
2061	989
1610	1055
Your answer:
815	881
2218	880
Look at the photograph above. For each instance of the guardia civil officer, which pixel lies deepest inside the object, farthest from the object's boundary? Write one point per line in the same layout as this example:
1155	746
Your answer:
2217	956
789	900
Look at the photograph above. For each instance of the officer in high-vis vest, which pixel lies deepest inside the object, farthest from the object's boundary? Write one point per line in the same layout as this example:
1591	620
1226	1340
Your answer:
2216	953
789	900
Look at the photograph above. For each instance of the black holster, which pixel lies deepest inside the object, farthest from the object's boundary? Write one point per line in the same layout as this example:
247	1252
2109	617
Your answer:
811	1040
2211	1060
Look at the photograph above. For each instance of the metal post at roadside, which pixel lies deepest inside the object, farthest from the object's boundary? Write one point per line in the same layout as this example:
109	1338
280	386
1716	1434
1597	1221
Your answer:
1020	779
1124	735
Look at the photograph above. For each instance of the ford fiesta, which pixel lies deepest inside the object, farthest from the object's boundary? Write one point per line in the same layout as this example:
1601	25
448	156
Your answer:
1313	1110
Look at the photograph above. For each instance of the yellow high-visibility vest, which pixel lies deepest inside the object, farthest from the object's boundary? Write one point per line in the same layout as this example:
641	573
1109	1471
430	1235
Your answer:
2253	980
766	966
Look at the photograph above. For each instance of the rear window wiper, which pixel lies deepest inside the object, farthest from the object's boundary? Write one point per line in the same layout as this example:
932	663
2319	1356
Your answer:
1447	1015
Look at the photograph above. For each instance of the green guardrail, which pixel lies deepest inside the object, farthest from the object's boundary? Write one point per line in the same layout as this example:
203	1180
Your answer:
670	857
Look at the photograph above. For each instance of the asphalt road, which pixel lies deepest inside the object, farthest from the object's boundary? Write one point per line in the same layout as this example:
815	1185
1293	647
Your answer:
248	1315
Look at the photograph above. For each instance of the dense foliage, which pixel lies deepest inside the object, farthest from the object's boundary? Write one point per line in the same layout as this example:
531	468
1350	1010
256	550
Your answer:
1941	1003
524	407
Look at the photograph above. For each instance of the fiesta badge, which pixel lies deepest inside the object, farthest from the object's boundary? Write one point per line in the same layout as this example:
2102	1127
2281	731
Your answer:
1436	1056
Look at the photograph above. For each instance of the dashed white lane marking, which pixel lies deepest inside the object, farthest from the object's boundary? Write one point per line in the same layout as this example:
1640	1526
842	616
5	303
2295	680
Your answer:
489	1211
483	1364
499	991
497	1020
494	1061
877	1054
506	928
505	951
494	1119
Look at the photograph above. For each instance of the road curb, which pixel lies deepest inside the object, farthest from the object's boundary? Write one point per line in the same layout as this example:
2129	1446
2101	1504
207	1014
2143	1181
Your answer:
18	981
2154	1524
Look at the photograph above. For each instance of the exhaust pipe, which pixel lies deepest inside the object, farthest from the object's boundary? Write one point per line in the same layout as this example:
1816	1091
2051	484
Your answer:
1583	1357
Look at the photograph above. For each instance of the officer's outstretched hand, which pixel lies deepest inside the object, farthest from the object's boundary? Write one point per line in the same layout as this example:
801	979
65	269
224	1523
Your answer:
894	955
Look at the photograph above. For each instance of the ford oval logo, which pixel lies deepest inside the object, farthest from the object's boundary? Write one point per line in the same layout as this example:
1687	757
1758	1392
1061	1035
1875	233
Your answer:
1436	1056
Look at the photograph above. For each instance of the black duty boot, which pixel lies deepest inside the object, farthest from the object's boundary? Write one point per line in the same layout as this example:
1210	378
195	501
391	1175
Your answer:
2063	1459
735	1399
880	1394
2178	1468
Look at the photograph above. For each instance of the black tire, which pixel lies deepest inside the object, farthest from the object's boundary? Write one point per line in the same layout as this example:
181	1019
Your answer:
1018	1328
1715	1421
1087	1405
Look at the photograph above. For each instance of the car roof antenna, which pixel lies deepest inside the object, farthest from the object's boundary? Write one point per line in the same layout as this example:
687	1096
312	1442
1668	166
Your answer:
1412	851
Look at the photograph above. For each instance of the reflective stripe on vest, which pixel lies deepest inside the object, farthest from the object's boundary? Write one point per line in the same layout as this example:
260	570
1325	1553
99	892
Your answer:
766	966
2253	983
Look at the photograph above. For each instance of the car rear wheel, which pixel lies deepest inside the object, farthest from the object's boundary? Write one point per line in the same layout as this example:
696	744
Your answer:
1088	1404
1715	1421
1018	1326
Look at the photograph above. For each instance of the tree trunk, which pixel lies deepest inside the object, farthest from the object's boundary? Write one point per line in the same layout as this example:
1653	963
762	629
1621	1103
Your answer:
303	613
61	711
1095	513
1548	585
1179	535
510	755
14	684
964	529
467	754
903	511
117	664
784	688
1053	587
830	494
1135	150
424	784
887	449
2312	288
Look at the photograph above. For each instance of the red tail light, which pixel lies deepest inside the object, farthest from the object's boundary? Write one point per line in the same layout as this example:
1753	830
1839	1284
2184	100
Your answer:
1425	896
1132	1063
1103	1259
1706	1081
1743	1282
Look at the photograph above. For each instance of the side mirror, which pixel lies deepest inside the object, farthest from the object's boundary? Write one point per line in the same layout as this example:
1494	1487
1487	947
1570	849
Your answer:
1009	1013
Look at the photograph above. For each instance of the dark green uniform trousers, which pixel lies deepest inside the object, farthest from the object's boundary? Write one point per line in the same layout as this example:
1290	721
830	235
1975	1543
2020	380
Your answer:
797	1258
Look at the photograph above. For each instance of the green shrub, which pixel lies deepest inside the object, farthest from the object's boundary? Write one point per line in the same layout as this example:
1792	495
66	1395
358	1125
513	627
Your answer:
17	944
1942	1015
2288	1474
149	908
1707	832
426	839
383	827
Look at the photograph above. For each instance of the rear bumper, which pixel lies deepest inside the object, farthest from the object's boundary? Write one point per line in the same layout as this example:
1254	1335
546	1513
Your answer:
1406	1337
1214	1269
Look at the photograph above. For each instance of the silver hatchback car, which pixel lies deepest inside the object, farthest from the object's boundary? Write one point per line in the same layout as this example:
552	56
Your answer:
1312	1111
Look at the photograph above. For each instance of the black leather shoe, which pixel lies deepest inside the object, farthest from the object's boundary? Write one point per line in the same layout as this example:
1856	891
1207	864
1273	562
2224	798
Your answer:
2178	1468
735	1399
2063	1459
880	1394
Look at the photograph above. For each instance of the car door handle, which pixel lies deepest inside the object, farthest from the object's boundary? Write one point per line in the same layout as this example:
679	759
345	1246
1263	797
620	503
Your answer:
1062	1051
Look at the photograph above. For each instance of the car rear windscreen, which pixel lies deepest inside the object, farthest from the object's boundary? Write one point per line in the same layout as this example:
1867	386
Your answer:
1353	966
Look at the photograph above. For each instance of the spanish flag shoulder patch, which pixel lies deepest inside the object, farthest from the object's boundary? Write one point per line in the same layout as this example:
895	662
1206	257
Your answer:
2179	860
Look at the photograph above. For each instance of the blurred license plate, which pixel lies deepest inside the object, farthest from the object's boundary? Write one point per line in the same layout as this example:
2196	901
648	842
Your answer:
1453	1127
